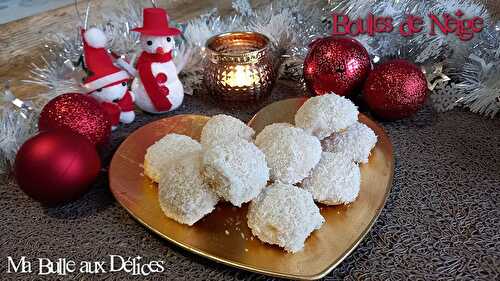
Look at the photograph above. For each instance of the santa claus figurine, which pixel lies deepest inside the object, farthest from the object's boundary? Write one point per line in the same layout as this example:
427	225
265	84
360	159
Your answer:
107	83
157	87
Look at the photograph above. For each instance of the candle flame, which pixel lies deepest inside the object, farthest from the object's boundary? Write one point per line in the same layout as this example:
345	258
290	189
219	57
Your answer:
241	76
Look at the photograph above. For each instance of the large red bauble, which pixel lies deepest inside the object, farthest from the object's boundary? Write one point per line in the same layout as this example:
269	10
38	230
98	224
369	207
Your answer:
78	113
56	166
336	64
395	89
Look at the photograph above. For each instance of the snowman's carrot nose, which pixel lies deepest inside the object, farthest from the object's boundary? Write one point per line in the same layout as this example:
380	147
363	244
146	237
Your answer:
160	50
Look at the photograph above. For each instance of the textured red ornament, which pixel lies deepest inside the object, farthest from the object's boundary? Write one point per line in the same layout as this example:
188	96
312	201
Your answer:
78	113
395	89
56	166
336	64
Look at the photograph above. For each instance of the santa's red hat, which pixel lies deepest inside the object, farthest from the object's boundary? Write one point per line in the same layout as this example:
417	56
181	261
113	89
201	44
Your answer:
99	62
155	23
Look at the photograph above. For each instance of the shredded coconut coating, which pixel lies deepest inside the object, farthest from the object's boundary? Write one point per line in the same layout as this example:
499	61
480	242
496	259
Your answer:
323	115
224	128
336	180
237	170
290	152
183	194
166	150
284	215
357	141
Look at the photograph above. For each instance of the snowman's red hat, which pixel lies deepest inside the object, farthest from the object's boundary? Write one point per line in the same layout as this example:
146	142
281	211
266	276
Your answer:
103	72
155	23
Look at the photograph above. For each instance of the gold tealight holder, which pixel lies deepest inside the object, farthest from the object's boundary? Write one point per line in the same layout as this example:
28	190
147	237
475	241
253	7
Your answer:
239	67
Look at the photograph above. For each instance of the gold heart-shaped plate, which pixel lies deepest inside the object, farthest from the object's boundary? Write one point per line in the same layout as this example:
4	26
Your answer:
223	235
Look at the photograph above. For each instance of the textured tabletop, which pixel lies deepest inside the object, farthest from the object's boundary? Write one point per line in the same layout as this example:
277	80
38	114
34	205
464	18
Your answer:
441	220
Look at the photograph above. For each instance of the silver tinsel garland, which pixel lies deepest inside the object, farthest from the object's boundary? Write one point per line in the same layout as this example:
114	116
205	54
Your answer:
19	122
291	25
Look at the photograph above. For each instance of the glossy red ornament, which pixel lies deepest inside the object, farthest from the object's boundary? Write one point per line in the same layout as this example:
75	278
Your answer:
395	89
336	64
56	166
79	113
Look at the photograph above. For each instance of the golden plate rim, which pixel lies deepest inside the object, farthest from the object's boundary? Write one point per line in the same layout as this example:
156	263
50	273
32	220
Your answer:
236	264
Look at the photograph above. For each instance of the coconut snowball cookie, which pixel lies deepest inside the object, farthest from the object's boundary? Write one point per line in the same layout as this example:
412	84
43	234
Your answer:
326	114
223	128
335	180
290	152
284	215
183	194
357	141
166	150
236	170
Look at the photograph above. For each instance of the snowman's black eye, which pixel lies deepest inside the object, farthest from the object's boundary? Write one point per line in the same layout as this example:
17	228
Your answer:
149	42
124	84
99	90
169	39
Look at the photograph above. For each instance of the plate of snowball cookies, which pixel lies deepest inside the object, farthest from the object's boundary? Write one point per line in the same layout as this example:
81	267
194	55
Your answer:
290	194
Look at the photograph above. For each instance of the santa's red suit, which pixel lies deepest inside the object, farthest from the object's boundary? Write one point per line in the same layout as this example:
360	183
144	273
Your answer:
114	109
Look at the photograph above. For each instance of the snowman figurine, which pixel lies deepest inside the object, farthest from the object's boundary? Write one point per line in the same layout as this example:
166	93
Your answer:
157	86
107	83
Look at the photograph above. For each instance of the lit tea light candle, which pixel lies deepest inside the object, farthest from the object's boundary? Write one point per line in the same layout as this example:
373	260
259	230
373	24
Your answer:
241	76
239	66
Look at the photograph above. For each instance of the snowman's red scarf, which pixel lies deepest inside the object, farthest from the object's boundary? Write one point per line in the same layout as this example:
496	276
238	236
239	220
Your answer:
160	102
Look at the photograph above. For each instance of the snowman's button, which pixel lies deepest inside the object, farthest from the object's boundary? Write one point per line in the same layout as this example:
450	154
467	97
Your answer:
161	78
164	90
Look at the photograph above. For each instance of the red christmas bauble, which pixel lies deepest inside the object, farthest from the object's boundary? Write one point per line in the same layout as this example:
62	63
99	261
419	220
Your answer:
79	113
56	166
395	89
336	64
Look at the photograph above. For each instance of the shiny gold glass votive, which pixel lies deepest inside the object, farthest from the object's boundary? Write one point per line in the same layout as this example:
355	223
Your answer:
239	67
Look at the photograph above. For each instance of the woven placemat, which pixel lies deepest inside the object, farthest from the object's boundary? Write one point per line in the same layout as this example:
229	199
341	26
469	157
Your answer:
441	220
